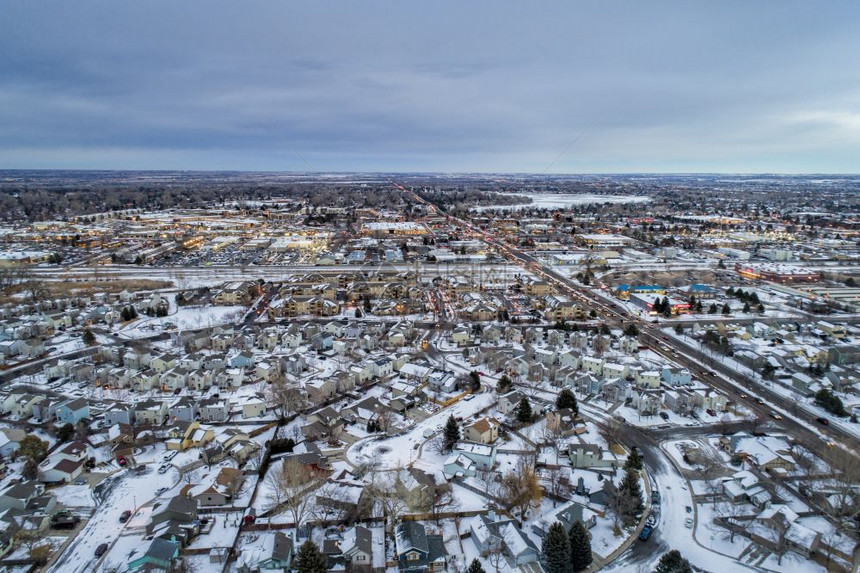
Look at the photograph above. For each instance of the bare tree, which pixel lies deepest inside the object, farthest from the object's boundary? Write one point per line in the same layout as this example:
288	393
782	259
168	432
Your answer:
286	398
521	486
334	507
489	481
37	291
387	496
731	512
844	503
554	438
9	277
291	485
496	557
611	431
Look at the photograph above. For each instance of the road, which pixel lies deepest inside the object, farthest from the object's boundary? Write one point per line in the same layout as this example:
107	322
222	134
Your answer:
804	427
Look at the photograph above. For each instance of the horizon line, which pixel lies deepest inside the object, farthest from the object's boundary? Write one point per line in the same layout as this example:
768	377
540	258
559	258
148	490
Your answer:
448	173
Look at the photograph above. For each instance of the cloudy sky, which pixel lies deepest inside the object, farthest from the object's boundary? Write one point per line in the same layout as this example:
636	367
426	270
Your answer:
432	86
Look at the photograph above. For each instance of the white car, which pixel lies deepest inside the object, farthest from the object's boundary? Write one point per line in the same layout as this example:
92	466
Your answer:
688	523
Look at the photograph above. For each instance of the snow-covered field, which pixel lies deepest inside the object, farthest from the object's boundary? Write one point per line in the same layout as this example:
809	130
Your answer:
563	201
183	319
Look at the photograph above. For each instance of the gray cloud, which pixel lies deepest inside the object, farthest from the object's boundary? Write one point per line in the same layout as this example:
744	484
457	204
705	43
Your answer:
484	86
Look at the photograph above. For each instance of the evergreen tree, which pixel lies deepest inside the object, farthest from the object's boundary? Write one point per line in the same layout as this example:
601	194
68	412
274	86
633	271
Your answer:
727	309
524	411
566	399
746	307
634	461
451	434
555	550
88	337
504	385
310	559
474	381
713	308
580	546
631	496
673	562
475	567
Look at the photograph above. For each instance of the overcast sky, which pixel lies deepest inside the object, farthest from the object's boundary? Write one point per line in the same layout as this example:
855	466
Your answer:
692	86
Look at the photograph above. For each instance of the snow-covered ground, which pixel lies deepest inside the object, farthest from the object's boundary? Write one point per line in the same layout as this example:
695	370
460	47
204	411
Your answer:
399	451
123	492
184	318
562	201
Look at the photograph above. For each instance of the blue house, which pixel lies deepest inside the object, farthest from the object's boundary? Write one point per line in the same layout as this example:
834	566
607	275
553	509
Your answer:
242	360
73	411
280	555
159	555
676	376
418	552
322	341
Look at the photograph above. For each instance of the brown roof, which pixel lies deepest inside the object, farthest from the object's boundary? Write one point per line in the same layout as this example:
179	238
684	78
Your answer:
67	466
227	476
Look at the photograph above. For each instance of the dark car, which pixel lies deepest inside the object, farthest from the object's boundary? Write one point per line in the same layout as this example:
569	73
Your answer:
664	415
101	549
646	533
823	421
65	521
125	515
655	497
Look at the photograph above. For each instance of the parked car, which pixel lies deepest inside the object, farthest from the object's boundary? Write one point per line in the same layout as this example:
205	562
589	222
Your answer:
711	412
164	469
823	421
121	460
655	497
161	490
125	515
65	521
688	523
664	415
775	415
646	533
101	549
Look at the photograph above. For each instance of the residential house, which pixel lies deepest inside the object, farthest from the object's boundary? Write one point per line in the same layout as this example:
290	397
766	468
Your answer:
119	413
674	376
482	431
160	555
253	408
73	411
483	455
150	412
508	402
214	410
416	551
183	410
591	456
